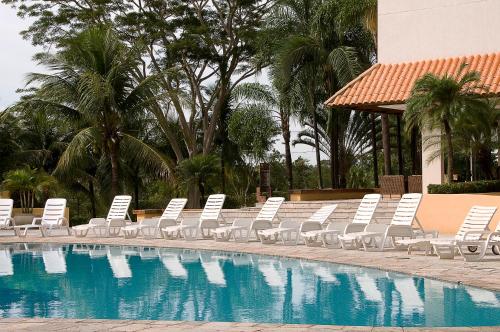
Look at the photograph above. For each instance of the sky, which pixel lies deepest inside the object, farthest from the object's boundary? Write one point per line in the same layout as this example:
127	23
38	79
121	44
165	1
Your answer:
16	61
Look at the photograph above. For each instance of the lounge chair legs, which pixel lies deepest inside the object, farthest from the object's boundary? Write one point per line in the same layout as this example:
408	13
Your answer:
445	251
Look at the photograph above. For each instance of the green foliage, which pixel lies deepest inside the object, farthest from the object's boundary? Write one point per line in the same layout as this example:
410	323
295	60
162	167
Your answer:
253	130
29	184
465	187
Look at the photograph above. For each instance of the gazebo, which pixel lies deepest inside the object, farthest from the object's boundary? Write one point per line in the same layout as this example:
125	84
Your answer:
385	88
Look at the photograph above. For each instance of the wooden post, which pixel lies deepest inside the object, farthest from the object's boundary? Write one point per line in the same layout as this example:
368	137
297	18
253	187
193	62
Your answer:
400	148
386	143
374	149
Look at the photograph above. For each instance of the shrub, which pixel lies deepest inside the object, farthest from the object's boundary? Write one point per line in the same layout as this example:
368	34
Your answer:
465	187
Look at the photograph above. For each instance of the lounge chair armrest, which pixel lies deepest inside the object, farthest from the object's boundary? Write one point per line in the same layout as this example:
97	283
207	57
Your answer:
36	221
480	233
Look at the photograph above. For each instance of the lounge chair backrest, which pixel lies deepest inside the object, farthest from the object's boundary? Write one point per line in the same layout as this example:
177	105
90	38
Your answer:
406	210
270	209
53	211
174	209
323	214
213	207
477	219
119	207
6	206
366	209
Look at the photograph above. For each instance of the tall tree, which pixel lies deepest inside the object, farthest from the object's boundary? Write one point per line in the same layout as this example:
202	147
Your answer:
92	81
438	102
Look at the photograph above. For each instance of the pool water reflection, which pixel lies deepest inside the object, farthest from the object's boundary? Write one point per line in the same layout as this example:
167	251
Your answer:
98	281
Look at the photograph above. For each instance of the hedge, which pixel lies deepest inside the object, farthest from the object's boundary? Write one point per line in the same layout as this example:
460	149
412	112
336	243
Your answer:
465	187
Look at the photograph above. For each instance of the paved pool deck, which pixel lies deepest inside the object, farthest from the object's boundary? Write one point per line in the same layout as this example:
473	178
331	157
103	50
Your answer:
480	274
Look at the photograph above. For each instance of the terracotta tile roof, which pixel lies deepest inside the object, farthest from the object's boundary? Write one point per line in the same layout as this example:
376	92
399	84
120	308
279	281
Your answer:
386	84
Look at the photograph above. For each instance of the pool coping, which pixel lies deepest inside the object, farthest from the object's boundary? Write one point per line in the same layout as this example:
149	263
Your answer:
477	274
64	324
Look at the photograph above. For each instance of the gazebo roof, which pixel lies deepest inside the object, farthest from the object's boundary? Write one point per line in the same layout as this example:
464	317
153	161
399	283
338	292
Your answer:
391	84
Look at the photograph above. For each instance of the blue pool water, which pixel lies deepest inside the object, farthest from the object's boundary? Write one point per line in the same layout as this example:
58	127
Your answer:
79	281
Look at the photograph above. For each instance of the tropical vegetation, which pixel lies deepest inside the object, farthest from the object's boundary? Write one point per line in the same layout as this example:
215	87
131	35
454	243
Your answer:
186	98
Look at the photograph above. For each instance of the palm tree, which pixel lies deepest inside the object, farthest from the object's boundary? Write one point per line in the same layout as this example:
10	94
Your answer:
270	99
197	170
30	184
93	84
317	59
438	102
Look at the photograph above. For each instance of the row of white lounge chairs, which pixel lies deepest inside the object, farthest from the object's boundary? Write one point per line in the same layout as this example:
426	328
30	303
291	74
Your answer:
404	231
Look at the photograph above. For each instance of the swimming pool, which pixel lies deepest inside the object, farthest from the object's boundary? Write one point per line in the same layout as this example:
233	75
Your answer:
107	282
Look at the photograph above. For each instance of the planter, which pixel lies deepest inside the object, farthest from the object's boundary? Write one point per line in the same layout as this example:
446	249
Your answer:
23	219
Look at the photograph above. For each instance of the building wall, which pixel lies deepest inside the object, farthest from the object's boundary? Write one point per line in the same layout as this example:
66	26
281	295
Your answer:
410	30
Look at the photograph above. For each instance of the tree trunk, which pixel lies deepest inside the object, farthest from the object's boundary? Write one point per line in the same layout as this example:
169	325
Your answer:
193	197
288	155
136	193
222	172
374	150
340	171
113	155
333	147
449	166
92	199
386	144
316	146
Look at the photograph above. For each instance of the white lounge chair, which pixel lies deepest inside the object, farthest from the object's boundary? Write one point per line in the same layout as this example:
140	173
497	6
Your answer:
6	220
312	230
52	218
54	259
290	230
267	214
112	224
118	263
6	266
375	236
486	240
475	223
241	229
287	231
150	227
331	237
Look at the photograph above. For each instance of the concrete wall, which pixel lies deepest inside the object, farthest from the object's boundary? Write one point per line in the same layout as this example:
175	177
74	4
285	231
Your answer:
445	213
410	30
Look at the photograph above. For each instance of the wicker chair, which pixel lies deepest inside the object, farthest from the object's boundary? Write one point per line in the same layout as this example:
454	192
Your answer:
392	185
415	184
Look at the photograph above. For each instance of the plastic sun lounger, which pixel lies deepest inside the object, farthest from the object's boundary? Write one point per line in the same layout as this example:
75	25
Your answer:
375	236
150	228
312	230
331	237
112	224
487	240
6	220
290	231
52	218
287	231
475	223
241	229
